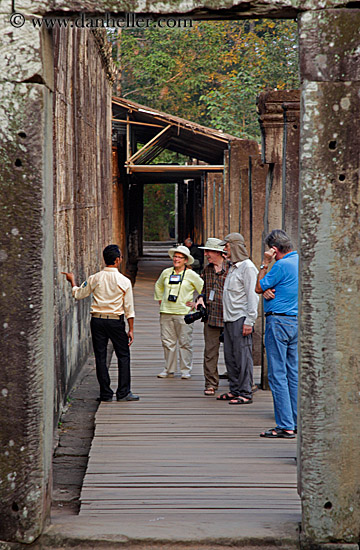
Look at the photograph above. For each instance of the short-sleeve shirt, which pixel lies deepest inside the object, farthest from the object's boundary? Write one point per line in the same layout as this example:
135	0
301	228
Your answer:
284	278
191	282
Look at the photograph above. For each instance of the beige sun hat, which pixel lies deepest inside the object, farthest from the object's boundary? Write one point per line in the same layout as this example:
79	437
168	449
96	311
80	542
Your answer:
182	250
213	244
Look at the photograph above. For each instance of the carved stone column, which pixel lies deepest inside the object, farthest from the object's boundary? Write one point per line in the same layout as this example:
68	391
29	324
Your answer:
329	438
290	167
271	118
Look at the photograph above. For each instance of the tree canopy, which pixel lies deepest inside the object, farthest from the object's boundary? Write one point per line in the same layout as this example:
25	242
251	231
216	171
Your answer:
210	73
159	212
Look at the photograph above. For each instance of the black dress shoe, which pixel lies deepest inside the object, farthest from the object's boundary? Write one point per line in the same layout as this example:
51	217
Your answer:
224	376
104	400
129	397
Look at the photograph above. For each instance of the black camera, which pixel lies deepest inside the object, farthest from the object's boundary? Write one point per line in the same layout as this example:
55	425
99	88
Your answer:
201	313
172	298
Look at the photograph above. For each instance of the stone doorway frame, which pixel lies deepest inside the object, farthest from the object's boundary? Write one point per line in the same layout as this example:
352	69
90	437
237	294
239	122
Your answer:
329	448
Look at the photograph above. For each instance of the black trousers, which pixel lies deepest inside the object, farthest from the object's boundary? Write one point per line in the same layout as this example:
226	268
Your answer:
103	330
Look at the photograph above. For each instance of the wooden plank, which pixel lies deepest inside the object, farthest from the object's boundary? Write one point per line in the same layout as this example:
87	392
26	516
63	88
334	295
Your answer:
176	450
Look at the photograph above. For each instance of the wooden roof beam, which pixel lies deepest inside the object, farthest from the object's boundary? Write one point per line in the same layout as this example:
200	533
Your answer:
154	141
114	119
161	168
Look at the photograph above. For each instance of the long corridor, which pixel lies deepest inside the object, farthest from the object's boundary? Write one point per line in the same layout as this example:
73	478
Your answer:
180	466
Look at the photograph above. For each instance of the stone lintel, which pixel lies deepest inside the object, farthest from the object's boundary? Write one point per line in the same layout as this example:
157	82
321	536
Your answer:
198	9
330	45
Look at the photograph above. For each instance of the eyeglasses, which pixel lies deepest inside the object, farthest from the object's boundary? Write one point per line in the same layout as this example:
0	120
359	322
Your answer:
179	257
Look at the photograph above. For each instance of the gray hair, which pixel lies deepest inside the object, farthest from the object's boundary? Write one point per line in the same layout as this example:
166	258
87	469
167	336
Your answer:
280	239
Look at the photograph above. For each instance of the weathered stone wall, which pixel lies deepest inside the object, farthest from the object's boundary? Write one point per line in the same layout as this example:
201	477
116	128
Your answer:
26	270
82	188
330	277
55	215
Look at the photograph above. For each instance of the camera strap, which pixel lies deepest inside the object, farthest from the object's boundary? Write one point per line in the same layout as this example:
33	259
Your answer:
181	280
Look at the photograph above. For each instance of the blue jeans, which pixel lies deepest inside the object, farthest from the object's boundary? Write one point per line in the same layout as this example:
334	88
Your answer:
281	337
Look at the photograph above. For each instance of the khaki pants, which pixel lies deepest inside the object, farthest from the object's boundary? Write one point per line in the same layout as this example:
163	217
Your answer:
174	331
211	356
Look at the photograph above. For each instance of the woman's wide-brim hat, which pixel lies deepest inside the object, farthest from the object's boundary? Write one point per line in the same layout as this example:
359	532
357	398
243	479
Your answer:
213	244
182	250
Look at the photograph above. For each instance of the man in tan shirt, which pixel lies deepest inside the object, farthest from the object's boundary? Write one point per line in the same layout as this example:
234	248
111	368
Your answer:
112	300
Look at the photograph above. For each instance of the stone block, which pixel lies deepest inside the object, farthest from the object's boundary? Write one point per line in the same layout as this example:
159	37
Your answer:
330	45
25	54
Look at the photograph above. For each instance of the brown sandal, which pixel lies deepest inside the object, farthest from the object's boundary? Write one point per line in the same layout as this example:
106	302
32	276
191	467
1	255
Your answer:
209	391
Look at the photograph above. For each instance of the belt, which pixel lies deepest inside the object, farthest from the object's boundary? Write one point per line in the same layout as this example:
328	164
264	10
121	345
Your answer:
281	314
107	316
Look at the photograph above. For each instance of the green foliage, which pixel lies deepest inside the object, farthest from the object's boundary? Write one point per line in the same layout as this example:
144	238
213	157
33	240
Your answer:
159	211
230	106
210	73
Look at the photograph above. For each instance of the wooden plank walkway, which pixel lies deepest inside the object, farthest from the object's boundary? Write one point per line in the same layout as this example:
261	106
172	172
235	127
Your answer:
182	466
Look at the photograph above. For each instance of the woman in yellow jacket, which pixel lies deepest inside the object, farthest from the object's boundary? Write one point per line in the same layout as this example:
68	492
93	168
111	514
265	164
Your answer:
174	289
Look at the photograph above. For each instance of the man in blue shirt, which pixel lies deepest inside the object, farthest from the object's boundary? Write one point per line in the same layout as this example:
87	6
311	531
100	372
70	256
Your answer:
280	290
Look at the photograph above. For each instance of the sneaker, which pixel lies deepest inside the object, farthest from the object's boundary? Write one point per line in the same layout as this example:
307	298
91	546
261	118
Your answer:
129	397
185	376
165	374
